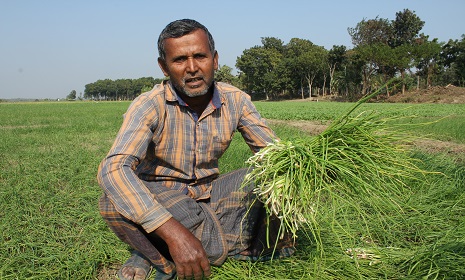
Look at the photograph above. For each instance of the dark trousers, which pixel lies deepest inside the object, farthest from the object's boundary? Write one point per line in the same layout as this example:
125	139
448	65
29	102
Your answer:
225	223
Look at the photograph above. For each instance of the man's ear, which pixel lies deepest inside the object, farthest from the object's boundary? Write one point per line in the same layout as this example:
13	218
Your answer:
215	60
163	67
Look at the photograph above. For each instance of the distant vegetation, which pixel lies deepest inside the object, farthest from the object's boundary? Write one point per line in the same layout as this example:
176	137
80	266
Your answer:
383	49
121	89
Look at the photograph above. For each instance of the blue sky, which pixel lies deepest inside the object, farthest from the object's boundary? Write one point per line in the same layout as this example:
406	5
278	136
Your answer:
49	48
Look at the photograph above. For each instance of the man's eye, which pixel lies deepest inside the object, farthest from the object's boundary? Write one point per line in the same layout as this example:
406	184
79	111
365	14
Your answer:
179	59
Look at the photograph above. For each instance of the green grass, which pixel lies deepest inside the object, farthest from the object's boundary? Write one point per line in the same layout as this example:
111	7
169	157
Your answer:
449	118
51	229
448	128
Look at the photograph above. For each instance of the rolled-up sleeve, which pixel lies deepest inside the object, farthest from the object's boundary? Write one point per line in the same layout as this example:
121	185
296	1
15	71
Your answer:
116	173
253	127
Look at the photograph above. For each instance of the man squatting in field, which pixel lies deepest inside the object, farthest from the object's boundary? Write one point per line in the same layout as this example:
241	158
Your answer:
163	194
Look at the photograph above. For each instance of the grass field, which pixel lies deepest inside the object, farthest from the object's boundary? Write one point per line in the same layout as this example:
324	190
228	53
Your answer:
51	229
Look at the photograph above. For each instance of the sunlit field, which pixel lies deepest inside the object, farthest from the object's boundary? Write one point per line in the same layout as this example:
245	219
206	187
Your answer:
51	229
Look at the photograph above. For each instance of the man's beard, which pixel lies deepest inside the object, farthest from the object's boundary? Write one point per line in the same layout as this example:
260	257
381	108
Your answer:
183	89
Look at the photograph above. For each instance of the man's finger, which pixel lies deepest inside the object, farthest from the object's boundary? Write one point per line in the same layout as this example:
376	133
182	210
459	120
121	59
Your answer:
206	268
197	273
180	271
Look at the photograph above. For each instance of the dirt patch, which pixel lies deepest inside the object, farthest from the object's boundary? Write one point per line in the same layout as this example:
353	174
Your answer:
311	127
108	273
447	94
452	149
455	150
438	94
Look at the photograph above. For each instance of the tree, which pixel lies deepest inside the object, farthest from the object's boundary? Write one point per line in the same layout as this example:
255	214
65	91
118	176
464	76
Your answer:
306	60
372	31
141	85
453	57
401	60
120	89
223	74
427	59
365	54
336	59
272	43
71	95
124	89
387	46
370	37
406	27
106	89
350	77
258	65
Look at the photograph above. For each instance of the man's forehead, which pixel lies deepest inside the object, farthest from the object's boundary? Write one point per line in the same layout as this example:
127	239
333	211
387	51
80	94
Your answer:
197	40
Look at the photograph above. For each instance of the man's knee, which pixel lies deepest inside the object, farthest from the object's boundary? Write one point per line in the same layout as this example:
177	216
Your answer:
107	209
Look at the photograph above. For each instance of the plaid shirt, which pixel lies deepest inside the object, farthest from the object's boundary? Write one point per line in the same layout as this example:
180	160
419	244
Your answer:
162	139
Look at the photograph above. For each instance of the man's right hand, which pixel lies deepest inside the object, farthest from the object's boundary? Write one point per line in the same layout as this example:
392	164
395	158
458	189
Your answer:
187	251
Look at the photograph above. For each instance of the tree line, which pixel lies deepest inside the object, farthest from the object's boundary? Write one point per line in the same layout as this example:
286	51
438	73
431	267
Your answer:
120	89
382	49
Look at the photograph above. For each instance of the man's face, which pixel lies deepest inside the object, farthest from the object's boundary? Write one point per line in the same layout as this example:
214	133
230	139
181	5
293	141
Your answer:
189	63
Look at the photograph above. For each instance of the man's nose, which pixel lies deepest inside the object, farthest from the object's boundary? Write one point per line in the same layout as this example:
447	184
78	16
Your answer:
192	65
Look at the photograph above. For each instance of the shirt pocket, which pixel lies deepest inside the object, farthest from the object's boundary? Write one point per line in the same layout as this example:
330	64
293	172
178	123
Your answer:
218	146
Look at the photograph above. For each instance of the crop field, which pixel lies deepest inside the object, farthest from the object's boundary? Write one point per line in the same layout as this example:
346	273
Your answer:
51	229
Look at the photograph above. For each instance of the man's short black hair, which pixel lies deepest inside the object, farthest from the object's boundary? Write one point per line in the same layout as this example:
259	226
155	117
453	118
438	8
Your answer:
179	28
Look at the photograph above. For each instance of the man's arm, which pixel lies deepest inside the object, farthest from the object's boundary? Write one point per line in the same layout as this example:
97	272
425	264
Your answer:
116	175
253	127
133	200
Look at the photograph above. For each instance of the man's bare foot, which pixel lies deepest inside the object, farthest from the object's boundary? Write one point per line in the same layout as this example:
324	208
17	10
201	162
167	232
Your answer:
134	273
135	268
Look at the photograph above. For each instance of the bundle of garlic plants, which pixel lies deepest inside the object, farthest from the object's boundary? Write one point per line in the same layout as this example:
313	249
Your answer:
361	158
